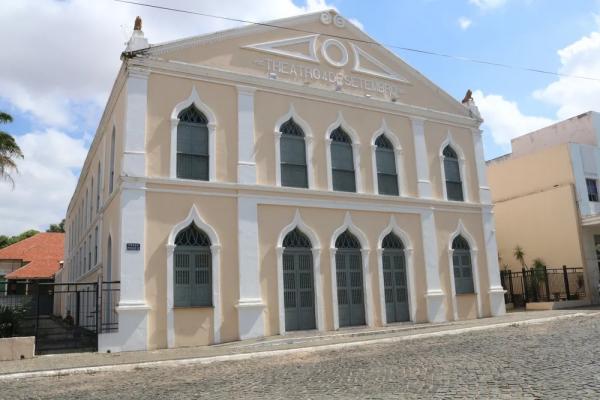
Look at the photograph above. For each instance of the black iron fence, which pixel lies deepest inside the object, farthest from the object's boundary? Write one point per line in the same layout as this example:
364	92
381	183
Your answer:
543	284
63	316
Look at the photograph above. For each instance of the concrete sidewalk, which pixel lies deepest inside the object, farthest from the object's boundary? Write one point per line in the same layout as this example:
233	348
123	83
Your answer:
298	342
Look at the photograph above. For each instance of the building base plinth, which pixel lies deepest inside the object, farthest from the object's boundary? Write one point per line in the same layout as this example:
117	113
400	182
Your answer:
436	312
251	318
497	306
133	330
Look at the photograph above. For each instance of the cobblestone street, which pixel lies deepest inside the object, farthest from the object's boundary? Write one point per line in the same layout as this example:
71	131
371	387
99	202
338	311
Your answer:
557	359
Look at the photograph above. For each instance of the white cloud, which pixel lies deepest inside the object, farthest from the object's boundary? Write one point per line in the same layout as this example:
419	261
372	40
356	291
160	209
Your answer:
464	23
66	53
575	96
503	118
488	4
45	182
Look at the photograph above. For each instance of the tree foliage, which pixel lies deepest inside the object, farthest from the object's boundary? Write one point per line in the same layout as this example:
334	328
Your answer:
9	151
60	227
8	240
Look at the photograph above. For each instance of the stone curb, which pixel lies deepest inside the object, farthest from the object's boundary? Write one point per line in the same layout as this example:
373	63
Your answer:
271	353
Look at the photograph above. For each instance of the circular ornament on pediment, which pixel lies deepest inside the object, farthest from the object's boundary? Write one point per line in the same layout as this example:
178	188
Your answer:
339	21
342	57
326	18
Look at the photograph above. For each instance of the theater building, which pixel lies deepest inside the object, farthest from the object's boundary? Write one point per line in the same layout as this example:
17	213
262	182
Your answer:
281	177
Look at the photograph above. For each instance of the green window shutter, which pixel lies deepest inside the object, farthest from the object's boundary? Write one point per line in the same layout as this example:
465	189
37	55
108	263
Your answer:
201	290
293	161
342	164
192	151
182	281
463	272
454	189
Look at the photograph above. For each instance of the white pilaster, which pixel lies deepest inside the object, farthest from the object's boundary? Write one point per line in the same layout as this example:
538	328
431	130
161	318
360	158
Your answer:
246	161
423	182
436	311
485	196
250	305
132	308
134	136
496	291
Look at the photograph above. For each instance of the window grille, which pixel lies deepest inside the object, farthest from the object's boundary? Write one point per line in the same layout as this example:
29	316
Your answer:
387	177
293	155
592	189
454	190
192	273
192	236
391	241
342	162
192	145
347	240
296	239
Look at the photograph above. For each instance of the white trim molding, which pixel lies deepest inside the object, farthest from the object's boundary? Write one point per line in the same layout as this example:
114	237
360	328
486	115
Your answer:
398	157
462	231
495	290
436	310
246	139
215	251
461	165
485	197
341	122
308	143
367	288
194	99
422	158
393	227
297	222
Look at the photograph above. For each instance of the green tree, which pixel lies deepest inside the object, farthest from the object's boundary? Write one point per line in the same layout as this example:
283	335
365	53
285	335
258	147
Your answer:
57	227
519	254
9	151
8	240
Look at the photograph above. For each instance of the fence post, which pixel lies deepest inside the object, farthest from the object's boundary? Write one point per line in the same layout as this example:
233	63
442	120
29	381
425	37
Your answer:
510	287
546	282
566	280
77	306
524	279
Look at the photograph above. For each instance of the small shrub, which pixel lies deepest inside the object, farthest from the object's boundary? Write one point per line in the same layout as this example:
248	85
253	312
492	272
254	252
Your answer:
10	320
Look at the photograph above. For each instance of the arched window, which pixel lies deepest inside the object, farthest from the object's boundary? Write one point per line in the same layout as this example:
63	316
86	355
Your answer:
192	268
454	190
387	177
293	155
342	162
111	181
349	275
463	270
192	145
394	279
298	282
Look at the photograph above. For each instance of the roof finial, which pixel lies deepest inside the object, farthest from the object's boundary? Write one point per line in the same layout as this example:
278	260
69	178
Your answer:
137	26
470	104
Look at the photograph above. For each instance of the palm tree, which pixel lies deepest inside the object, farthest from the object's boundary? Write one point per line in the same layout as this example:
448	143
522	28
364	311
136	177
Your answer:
9	151
520	255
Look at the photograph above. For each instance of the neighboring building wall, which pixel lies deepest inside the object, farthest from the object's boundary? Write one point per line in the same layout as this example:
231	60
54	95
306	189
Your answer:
582	129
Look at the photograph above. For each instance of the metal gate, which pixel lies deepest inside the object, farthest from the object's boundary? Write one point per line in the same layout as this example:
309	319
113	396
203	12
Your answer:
351	308
63	317
396	290
299	294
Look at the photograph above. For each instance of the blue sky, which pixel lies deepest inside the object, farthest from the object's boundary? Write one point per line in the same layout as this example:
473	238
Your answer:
65	55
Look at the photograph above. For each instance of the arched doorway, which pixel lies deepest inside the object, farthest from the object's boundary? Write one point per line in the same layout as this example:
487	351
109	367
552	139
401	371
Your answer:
394	279
349	274
298	282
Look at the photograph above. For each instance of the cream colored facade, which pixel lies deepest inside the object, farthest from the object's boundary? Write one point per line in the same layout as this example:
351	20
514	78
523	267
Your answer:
541	199
247	82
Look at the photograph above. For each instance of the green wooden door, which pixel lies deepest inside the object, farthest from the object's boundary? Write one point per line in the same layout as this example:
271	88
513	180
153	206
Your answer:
351	308
298	290
396	289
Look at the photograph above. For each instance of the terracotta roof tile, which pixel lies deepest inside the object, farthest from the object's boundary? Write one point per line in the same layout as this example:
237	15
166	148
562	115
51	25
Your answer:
42	253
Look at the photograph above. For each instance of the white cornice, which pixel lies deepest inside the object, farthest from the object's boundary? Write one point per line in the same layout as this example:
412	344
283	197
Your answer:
211	74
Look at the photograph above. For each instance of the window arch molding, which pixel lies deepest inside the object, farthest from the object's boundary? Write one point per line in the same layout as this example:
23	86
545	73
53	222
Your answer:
399	157
340	122
461	230
308	144
297	222
215	251
194	99
349	225
449	141
394	228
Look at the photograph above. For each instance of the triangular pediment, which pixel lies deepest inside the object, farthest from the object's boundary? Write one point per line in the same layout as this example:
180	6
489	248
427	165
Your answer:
321	50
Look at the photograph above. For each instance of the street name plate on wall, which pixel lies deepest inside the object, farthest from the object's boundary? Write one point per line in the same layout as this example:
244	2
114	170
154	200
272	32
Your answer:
133	246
